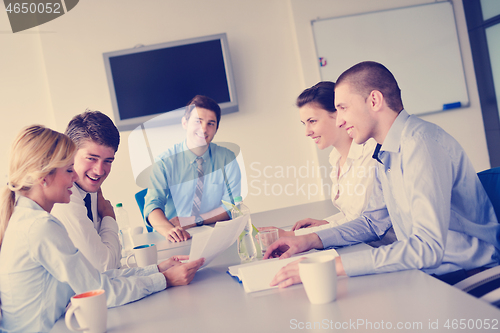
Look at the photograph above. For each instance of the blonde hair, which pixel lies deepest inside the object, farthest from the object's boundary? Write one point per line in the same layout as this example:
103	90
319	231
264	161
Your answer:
36	152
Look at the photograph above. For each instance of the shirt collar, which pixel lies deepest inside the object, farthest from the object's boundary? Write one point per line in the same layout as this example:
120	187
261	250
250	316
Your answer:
355	152
392	140
334	156
82	192
23	201
191	157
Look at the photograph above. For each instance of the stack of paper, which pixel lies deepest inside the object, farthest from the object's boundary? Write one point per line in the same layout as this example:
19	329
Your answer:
209	244
257	275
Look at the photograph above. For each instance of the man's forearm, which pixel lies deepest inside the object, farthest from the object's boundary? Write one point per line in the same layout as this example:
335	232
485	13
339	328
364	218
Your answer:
216	215
211	217
159	222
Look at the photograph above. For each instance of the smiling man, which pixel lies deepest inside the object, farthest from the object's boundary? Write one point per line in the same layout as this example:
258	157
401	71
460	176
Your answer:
89	218
444	222
190	180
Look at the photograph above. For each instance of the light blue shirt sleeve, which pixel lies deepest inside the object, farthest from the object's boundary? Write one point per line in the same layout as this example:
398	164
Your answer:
232	182
158	190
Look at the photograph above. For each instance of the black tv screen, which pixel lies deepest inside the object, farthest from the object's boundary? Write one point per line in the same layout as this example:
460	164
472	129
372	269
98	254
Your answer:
148	81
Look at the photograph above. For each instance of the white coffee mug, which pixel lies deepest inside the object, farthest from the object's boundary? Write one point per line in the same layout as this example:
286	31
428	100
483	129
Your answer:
136	230
90	310
319	277
144	255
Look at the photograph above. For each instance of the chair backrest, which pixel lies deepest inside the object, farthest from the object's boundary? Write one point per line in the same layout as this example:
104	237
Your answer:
491	182
139	197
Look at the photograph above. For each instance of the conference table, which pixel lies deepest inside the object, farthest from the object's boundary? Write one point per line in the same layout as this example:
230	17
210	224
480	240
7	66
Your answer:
409	301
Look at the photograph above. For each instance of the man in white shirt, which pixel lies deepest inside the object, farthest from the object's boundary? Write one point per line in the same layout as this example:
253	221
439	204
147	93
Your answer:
89	218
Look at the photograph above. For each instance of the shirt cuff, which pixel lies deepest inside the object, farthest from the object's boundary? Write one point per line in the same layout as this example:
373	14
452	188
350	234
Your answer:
148	270
330	237
228	211
158	279
358	263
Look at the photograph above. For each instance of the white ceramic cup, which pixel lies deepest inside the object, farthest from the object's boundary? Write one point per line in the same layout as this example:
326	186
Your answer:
136	230
266	238
90	310
144	255
319	277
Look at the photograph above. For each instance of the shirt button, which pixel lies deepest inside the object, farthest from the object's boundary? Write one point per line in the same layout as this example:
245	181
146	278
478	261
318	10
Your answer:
389	170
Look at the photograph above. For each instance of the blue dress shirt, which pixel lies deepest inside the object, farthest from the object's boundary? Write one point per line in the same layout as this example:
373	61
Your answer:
174	176
40	269
442	217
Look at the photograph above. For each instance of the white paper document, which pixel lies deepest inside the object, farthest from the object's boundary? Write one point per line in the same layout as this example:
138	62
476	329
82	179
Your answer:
209	244
257	275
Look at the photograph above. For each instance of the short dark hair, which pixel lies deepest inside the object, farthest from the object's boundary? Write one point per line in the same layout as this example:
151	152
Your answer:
368	76
203	102
321	94
95	126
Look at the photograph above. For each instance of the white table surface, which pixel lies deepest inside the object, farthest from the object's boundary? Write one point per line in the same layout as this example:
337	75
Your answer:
215	302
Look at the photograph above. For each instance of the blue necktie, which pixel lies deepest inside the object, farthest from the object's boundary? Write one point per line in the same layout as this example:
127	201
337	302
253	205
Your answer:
376	152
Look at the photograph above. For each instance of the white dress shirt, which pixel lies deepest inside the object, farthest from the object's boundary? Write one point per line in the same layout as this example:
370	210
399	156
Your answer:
40	269
352	184
97	240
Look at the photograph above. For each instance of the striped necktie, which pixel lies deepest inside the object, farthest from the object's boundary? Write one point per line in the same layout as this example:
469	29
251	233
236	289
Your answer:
199	188
88	204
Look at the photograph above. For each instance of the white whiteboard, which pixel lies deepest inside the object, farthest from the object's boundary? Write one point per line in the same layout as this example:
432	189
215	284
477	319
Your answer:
418	44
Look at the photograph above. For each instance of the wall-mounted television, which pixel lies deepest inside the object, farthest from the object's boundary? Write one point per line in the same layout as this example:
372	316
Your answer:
148	81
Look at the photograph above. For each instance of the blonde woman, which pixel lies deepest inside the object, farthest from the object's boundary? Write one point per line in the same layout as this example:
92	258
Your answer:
40	268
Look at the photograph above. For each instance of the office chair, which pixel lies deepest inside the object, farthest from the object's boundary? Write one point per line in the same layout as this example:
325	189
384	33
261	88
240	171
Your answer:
486	285
139	198
491	182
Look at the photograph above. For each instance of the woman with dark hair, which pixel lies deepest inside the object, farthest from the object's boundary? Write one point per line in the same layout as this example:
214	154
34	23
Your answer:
352	166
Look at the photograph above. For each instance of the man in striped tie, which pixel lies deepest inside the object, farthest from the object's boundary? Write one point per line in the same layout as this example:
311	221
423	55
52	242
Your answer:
189	181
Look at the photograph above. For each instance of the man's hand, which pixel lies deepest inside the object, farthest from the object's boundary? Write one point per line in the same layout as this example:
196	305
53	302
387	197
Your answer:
170	262
177	234
289	274
104	207
307	223
175	221
281	232
287	246
182	274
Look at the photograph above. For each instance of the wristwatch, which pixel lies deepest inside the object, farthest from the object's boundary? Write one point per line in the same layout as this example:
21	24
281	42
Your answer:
199	220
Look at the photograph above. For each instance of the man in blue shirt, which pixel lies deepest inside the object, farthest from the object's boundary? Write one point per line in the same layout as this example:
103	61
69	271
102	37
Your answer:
442	217
189	181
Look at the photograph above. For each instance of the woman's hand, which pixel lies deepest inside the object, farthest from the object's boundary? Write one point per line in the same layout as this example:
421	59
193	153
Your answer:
308	223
